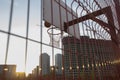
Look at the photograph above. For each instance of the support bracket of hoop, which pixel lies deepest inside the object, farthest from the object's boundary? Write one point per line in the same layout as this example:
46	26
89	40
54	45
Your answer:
110	25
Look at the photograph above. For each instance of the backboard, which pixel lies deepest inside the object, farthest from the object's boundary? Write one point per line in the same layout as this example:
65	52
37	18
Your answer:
57	13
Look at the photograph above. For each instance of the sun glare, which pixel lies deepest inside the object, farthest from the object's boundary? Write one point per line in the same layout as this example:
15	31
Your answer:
22	69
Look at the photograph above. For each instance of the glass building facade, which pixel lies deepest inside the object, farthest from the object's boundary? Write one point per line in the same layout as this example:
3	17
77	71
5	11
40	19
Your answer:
88	57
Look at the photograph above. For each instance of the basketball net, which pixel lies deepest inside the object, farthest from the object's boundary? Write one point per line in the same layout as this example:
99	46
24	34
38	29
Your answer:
54	37
54	40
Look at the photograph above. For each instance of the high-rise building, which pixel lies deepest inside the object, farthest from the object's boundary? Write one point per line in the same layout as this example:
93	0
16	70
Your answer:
45	63
58	64
88	56
7	72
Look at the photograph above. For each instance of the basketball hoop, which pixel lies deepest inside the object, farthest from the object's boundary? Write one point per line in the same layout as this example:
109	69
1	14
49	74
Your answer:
55	36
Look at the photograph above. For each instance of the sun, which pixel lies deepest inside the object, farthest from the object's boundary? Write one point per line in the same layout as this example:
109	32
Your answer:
22	69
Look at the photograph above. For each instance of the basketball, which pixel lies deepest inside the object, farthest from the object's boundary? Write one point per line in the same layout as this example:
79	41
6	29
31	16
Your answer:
47	25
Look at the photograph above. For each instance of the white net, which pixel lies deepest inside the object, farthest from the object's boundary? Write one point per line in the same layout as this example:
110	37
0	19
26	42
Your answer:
55	40
55	35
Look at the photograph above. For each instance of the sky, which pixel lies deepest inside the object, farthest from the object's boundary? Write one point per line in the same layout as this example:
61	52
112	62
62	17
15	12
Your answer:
16	53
